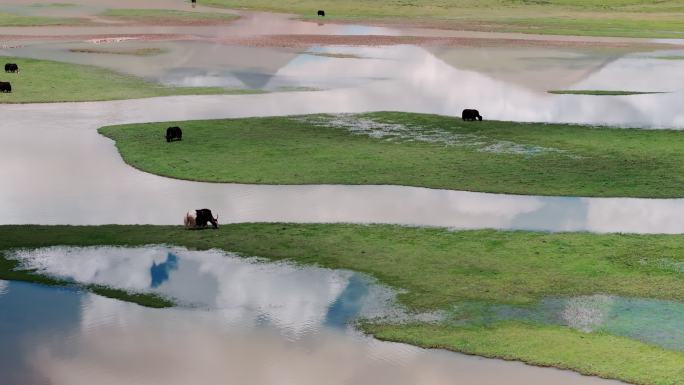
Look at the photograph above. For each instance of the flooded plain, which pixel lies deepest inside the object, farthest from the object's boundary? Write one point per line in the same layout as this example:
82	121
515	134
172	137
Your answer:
270	333
83	180
86	182
251	322
652	321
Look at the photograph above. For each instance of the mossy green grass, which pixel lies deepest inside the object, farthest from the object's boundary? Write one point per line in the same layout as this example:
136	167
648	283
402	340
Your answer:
593	354
52	5
438	268
602	92
415	150
150	51
15	20
168	16
625	18
44	81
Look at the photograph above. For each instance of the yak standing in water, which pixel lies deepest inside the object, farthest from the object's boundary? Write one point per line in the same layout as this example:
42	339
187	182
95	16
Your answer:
11	67
200	219
471	115
174	133
5	87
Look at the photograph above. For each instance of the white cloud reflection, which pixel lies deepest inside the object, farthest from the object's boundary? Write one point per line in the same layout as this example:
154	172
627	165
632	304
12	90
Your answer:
144	346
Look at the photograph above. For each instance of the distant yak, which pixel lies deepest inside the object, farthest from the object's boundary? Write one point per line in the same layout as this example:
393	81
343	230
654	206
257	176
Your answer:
321	13
471	115
200	219
5	87
11	67
174	133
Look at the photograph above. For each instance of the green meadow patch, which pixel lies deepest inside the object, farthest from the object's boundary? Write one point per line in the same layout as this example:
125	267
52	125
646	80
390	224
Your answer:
44	81
601	92
14	20
128	52
169	16
395	148
625	18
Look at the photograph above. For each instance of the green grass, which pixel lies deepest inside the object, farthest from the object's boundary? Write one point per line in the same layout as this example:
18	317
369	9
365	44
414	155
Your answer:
499	157
334	55
52	5
627	18
440	268
129	52
43	81
13	20
591	354
169	16
600	92
670	57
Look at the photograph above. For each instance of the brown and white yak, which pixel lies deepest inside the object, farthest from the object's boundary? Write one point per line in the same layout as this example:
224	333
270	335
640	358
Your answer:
200	219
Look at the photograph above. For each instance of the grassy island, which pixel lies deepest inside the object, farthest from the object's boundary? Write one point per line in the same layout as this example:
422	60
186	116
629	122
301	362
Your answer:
416	150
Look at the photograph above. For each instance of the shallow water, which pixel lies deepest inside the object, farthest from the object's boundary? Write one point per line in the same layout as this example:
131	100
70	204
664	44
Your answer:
70	337
84	181
655	322
256	323
293	299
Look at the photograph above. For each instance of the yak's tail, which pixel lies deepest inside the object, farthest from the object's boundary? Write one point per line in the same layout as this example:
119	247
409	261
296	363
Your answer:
189	221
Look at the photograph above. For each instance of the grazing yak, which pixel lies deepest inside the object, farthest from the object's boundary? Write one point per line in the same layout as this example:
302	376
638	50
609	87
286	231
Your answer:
174	133
471	115
11	67
199	219
5	87
321	13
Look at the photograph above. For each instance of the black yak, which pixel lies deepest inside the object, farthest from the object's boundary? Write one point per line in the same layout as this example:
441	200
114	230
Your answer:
321	13
11	67
471	115
5	87
199	219
174	133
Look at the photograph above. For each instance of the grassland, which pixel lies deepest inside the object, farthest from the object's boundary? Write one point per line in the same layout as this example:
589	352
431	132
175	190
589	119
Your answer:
166	16
129	52
439	268
590	354
43	81
417	150
600	92
52	5
626	18
14	20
